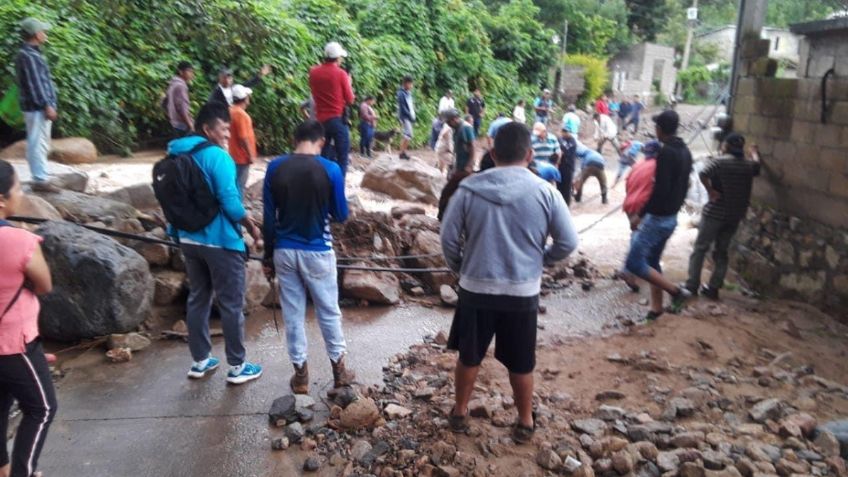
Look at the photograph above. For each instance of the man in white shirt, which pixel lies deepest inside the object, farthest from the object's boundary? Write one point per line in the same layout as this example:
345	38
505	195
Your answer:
447	102
606	131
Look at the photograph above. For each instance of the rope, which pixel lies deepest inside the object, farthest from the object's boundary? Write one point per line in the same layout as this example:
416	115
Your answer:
172	244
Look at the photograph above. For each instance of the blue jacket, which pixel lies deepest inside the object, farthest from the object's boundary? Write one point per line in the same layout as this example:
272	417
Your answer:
34	80
404	105
589	156
220	172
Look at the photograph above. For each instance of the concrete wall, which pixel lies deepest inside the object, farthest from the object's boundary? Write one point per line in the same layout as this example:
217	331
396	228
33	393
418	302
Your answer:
794	242
823	52
784	44
636	69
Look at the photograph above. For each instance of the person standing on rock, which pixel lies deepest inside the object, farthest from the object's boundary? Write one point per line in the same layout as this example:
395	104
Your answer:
728	180
38	101
24	374
332	94
501	269
463	142
446	103
303	192
476	107
215	254
543	105
242	138
367	125
223	92
176	100
406	114
658	218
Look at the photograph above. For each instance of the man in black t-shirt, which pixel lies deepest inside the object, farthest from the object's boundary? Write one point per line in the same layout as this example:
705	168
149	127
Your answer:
476	107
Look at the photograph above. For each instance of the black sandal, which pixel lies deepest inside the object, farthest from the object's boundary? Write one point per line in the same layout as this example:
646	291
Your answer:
458	424
522	434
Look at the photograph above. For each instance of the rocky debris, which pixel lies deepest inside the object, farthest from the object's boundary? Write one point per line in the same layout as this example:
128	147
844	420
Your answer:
393	411
155	254
448	295
100	286
766	409
35	206
399	211
548	459
280	443
294	432
72	150
359	414
170	287
311	464
611	395
63	176
412	181
119	355
377	287
283	411
132	341
83	208
827	443
593	427
140	196
257	288
428	246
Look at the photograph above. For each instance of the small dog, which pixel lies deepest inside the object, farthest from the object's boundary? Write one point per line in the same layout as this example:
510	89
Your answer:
385	138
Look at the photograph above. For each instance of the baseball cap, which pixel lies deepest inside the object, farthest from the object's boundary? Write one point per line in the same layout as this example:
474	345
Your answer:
31	26
225	71
572	108
240	92
334	50
451	114
735	144
667	121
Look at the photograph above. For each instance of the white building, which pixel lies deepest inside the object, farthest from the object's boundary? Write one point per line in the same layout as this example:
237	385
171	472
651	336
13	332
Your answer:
785	45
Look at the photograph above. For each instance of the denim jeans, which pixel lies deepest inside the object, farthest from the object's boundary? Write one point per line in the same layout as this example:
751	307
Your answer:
711	231
648	243
366	135
299	272
337	142
541	119
38	143
220	272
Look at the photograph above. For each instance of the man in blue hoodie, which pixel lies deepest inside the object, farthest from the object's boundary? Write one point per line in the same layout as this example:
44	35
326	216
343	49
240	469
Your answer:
303	192
494	235
215	255
406	114
592	164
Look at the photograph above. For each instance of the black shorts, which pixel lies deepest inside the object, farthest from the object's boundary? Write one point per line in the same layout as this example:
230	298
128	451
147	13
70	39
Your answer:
510	319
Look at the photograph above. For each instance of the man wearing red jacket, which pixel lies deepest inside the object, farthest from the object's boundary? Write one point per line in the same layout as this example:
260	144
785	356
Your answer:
602	106
332	93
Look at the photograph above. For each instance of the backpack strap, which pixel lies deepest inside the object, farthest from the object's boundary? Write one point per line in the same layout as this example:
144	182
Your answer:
4	223
200	146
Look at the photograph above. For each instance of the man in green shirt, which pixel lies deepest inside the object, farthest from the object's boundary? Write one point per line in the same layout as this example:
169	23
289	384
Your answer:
463	141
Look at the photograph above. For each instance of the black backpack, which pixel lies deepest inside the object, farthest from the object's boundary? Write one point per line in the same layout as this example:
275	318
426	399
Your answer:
182	191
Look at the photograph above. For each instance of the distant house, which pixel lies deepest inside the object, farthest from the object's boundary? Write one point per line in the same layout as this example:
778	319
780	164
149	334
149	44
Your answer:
785	45
644	69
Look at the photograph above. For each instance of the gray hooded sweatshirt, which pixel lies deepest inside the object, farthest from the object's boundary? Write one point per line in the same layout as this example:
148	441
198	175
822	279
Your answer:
495	230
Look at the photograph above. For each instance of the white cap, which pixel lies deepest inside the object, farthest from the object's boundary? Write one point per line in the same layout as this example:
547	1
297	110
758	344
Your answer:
240	92
333	50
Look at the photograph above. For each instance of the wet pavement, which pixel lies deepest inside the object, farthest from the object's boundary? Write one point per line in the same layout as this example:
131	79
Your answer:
145	418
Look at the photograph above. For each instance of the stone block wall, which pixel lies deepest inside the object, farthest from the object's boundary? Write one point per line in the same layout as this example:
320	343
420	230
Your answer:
795	241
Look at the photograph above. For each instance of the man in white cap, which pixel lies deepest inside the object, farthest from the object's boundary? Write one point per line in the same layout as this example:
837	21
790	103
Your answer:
242	139
38	100
223	91
332	93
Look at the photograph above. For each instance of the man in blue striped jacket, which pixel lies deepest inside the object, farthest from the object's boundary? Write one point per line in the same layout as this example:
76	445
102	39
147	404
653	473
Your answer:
38	100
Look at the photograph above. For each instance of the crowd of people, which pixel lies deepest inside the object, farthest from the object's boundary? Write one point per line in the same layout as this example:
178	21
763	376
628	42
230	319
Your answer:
526	180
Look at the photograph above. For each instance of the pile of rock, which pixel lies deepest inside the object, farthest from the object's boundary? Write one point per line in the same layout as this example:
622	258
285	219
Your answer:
701	432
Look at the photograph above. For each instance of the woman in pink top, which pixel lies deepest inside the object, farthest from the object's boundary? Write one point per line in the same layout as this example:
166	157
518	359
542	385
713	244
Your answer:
24	374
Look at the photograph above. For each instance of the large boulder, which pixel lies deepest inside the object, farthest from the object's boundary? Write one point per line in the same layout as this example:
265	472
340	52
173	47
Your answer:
79	207
73	150
376	287
411	181
100	287
427	247
66	177
36	207
140	196
258	290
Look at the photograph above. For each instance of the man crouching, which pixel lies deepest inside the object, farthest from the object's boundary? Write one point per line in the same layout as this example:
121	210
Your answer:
494	235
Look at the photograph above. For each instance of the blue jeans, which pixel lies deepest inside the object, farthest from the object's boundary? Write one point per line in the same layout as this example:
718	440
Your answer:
337	142
366	135
38	143
299	272
542	119
648	243
219	271
477	121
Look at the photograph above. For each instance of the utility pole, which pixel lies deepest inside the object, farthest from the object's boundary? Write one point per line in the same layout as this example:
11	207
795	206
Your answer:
564	40
692	23
561	63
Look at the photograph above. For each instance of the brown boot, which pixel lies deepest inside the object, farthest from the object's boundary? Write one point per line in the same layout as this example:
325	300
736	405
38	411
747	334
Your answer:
341	375
300	380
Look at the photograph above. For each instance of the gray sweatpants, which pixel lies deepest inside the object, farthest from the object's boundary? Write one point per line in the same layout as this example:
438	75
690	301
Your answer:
220	273
711	231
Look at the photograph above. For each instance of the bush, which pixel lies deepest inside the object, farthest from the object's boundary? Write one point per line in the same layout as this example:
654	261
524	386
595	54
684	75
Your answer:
595	73
112	70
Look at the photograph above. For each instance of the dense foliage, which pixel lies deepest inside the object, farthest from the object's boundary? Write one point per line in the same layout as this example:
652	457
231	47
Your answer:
111	70
595	74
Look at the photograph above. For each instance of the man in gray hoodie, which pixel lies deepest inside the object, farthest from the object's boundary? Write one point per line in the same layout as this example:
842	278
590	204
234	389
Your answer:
494	234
